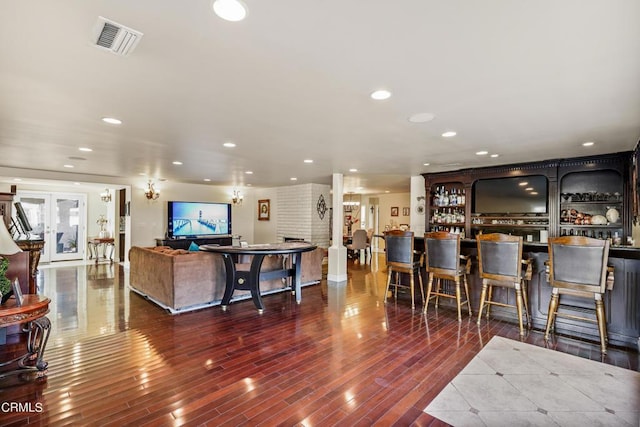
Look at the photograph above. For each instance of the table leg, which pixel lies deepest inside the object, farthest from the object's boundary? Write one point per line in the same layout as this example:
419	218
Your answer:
254	281
39	330
230	269
296	259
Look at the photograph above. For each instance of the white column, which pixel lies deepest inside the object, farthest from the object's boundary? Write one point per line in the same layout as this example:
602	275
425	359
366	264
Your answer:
337	269
417	221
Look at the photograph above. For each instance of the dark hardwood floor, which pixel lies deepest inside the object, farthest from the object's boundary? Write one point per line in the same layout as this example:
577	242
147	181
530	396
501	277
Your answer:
340	358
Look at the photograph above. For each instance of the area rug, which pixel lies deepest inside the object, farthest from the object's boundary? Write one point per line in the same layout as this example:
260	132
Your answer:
510	383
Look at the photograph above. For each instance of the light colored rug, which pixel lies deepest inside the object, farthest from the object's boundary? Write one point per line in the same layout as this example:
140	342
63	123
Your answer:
510	383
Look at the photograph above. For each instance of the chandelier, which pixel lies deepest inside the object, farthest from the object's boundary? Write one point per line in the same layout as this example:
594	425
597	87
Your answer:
237	198
151	193
105	196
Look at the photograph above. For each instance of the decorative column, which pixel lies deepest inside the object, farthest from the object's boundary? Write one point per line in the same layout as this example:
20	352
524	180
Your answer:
337	269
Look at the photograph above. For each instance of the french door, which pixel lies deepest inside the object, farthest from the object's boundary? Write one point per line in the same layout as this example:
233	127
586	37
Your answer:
59	219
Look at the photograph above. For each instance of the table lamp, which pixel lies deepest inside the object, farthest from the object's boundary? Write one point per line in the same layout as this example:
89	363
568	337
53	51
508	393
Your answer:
7	247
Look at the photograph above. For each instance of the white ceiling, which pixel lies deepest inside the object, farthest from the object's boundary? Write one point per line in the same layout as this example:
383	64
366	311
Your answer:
528	80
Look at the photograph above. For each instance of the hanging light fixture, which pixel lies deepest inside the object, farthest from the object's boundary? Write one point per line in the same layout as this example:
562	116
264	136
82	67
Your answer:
105	196
237	198
151	193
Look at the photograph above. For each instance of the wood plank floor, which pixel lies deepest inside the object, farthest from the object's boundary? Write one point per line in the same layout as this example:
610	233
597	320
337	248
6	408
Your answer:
342	357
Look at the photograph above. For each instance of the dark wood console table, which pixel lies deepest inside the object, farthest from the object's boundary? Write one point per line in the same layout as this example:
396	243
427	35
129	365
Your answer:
250	280
32	312
34	247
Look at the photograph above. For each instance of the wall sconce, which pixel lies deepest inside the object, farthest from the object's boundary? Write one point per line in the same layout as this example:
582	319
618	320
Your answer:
237	198
151	193
105	196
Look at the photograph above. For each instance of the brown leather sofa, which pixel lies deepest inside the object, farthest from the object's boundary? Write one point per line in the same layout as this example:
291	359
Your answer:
179	280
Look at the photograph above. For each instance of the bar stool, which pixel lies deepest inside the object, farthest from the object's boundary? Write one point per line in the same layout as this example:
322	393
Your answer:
400	258
443	263
500	264
578	267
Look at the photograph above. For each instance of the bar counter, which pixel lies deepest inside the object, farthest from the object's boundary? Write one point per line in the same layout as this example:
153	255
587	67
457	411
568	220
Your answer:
622	304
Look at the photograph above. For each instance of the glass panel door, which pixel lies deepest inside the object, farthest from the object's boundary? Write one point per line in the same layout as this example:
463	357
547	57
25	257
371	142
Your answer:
59	219
68	227
37	207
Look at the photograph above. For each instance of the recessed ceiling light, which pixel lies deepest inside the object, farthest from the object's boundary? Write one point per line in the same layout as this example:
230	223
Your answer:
426	164
293	178
249	172
76	183
17	179
308	161
386	191
495	155
523	183
206	180
529	189
112	121
535	193
177	163
380	95
449	134
68	166
229	144
481	153
421	118
87	149
353	170
230	10
588	144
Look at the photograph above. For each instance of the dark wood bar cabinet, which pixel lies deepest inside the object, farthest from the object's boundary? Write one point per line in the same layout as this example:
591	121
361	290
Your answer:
591	196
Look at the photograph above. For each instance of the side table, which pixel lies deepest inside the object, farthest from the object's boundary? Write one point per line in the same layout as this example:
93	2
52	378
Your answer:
32	312
107	244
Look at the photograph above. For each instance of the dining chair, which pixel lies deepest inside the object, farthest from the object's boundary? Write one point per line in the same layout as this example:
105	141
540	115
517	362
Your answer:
359	241
578	267
500	264
444	262
401	258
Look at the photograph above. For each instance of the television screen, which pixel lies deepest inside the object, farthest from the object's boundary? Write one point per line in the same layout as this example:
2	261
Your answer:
198	219
513	195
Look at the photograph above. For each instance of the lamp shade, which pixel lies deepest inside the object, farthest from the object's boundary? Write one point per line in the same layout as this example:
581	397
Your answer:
7	244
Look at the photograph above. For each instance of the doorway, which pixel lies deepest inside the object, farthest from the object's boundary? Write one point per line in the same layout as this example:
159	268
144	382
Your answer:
59	219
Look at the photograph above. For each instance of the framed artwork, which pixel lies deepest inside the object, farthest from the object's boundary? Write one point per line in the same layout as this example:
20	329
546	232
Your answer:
264	210
405	211
17	292
394	211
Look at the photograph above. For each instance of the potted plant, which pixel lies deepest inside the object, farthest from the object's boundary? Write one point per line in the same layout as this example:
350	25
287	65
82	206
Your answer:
5	283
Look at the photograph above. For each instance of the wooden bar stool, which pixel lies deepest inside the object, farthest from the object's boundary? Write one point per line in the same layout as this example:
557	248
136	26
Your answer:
578	267
443	263
500	264
401	258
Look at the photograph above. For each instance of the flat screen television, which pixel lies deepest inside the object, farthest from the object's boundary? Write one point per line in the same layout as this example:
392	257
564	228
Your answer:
198	219
511	195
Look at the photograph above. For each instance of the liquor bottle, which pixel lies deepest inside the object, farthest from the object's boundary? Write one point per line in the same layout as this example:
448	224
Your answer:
463	200
445	198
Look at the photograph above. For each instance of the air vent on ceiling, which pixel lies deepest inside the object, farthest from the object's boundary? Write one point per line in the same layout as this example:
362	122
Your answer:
115	37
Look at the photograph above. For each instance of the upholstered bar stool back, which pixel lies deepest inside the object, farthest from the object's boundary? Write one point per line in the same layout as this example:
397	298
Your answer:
443	262
500	264
401	258
578	267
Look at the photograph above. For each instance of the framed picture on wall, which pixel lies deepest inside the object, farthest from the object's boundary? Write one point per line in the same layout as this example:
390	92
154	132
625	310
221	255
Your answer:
405	211
394	210
263	210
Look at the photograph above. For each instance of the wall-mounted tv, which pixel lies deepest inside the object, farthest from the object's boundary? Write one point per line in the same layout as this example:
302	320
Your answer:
513	195
198	219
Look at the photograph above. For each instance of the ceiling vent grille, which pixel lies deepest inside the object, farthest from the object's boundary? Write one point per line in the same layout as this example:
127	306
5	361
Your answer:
115	37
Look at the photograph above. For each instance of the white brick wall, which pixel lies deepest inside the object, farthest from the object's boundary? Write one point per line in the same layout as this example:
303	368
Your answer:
298	216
